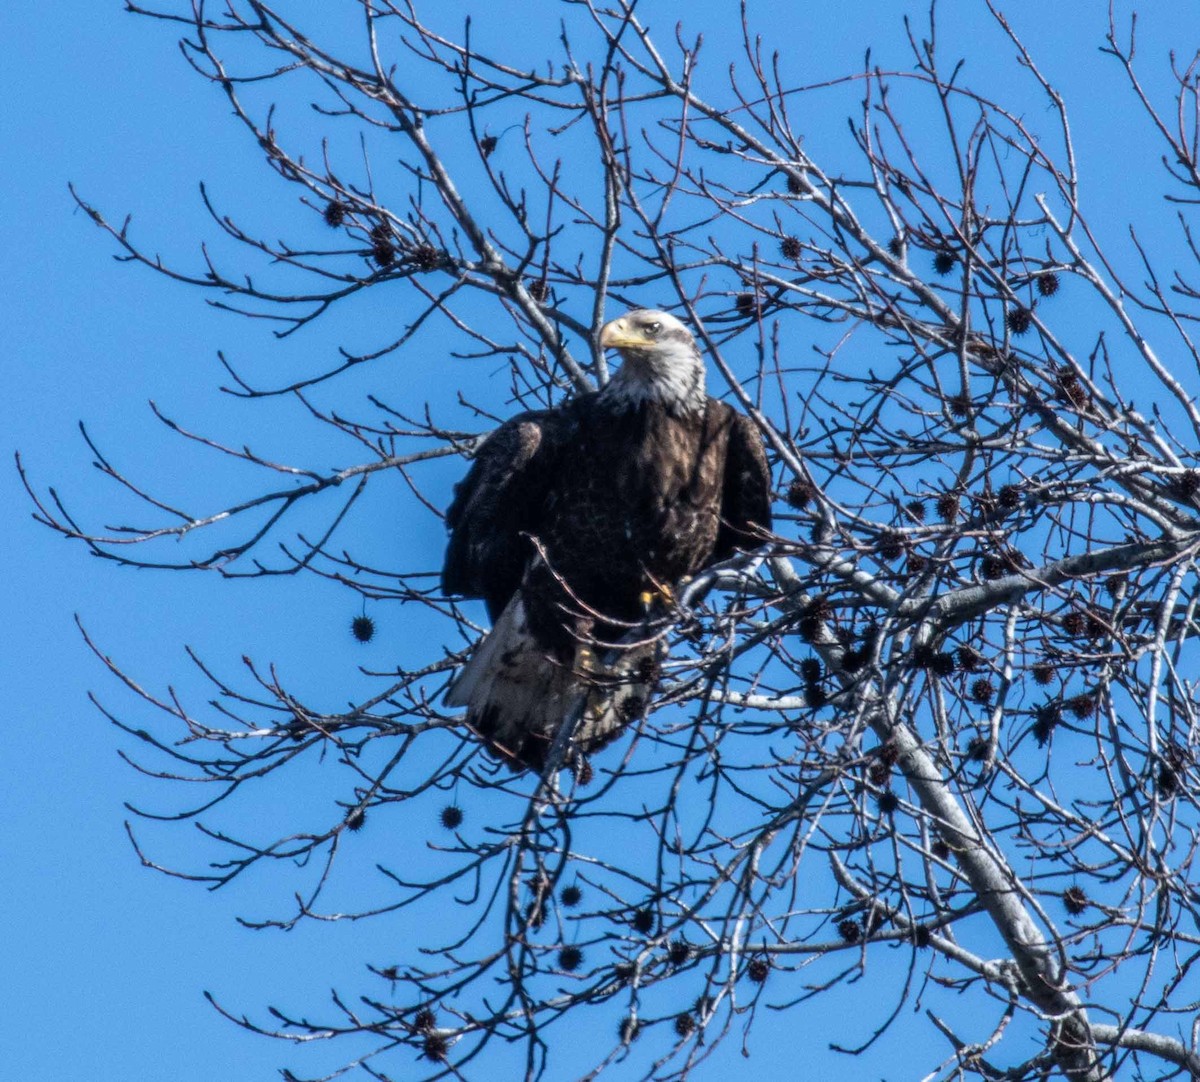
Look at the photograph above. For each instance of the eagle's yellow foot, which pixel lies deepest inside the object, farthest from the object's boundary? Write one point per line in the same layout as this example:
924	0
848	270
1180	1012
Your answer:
663	592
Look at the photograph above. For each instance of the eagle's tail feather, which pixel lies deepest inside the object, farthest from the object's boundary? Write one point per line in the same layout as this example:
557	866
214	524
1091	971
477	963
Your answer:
517	696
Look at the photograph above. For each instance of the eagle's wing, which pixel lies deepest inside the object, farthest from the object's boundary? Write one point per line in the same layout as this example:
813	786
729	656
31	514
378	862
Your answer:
745	492
497	505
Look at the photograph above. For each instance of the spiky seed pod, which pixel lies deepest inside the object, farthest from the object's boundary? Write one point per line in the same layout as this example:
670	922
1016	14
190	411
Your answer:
922	656
1167	782
959	405
1019	319
643	921
424	1020
758	969
703	1006
821	607
570	958
381	233
815	696
1186	484
627	1031
632	708
623	971
1009	497
968	658
383	254
850	930
916	508
940	850
685	1025
1074	623
891	546
793	185
1071	390
425	257
947	506
1047	283
355	820
896	246
943	664
745	303
435	1047
916	563
977	749
1082	706
570	896
889	753
334	214
790	248
538	290
1075	900
982	690
992	567
880	774
678	952
451	817
944	261
1095	626
810	670
853	660
1114	585
921	936
800	494
888	802
1043	673
486	145
362	628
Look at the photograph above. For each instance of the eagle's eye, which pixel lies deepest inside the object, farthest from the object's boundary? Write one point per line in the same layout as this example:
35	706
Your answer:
652	329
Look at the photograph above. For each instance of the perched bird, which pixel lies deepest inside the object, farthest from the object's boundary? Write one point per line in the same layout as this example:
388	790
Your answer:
572	520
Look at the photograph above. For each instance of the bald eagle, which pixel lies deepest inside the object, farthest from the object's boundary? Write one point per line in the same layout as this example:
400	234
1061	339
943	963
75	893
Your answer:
572	520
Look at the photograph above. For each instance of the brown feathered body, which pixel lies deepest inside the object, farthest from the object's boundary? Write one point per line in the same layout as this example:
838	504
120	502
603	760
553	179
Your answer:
568	520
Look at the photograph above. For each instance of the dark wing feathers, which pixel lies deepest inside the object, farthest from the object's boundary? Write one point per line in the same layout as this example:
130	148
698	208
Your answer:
746	492
496	504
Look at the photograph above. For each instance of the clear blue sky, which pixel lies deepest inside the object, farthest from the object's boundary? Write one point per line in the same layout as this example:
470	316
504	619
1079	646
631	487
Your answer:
104	962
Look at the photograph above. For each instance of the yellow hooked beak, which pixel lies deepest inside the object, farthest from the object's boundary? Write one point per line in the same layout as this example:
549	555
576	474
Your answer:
620	335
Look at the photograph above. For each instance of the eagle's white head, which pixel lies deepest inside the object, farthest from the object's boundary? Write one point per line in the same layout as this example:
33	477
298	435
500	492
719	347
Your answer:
660	362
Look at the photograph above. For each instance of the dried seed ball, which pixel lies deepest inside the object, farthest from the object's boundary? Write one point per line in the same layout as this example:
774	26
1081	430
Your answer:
800	494
570	896
977	749
947	506
425	257
628	1030
623	971
853	660
538	290
381	233
793	184
685	1025
1046	717
940	850
334	214
383	254
678	951
1043	673
889	753
1074	623
643	921
424	1020
1019	319
891	546
1047	283
435	1047
944	261
486	145
888	802
943	664
1167	782
362	628
921	936
451	817
991	567
810	669
355	819
968	659
758	969
1187	484
1071	390
922	656
1114	584
744	303
570	958
815	696
916	508
1009	497
850	930
896	246
790	248
916	563
982	690
1075	900
959	405
880	774
631	708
